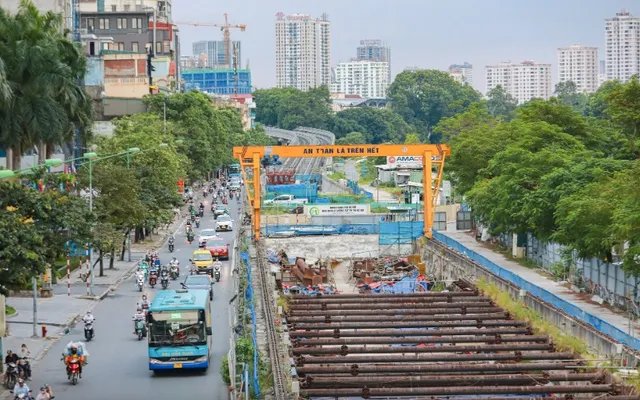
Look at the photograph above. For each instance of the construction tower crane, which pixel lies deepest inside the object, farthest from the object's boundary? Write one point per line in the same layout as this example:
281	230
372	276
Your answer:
225	28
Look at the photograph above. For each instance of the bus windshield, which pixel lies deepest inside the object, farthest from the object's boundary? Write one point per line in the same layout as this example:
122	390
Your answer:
177	328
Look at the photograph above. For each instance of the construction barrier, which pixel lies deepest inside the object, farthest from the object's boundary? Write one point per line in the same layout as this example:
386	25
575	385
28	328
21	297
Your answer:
251	302
550	298
404	232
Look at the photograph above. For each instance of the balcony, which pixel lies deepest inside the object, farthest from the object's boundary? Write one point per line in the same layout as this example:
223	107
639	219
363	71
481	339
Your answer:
113	32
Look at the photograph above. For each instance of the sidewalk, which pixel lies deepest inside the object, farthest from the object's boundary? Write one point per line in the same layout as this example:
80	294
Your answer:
61	311
583	302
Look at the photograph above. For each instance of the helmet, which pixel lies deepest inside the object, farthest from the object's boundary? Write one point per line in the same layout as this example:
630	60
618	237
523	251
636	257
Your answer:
20	380
88	312
139	309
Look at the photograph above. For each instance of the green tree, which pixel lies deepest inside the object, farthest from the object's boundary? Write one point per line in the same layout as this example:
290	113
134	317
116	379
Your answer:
501	103
625	224
412	138
289	108
352	138
624	109
424	97
568	94
476	119
40	71
378	125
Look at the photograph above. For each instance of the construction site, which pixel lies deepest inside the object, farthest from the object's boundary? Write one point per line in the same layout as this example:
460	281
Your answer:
346	316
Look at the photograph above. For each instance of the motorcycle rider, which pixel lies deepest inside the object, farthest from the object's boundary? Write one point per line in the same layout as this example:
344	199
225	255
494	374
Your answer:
190	233
21	388
139	316
144	303
171	240
176	263
75	355
88	318
25	356
11	358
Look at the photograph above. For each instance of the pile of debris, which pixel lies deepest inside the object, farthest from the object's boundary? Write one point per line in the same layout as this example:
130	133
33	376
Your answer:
298	272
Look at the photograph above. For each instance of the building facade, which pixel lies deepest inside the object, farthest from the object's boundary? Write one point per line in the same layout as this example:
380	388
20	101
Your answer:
303	51
462	73
369	79
217	81
63	7
374	50
215	54
579	64
622	46
524	81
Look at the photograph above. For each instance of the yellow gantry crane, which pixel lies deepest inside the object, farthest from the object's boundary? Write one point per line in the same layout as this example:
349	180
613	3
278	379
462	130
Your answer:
225	28
433	158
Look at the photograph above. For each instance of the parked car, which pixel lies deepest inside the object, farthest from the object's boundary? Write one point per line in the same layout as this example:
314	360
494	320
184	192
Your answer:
286	199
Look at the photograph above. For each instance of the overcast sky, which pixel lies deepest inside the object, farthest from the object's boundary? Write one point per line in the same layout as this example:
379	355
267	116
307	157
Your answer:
424	33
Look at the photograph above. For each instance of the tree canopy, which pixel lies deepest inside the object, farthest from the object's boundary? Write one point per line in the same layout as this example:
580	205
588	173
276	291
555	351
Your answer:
556	170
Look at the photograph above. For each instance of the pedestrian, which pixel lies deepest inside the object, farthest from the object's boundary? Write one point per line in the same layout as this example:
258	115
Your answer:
25	355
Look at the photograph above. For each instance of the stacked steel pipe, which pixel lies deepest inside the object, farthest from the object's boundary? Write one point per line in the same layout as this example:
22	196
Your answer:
428	344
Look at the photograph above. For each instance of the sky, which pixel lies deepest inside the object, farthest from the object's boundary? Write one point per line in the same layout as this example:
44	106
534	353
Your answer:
431	34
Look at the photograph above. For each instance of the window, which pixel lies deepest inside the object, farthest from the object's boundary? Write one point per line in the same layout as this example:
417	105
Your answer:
114	9
134	46
122	23
127	7
121	46
166	47
103	23
136	23
91	22
158	47
105	46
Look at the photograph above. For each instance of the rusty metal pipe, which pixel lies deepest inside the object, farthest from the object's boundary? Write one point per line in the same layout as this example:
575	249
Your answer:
357	318
345	350
447	391
517	356
395	295
390	306
356	369
406	324
383	299
446	380
600	397
421	339
337	333
421	311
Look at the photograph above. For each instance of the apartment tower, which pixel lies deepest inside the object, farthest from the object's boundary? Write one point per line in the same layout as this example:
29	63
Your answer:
303	51
462	73
375	50
524	81
579	64
369	79
622	44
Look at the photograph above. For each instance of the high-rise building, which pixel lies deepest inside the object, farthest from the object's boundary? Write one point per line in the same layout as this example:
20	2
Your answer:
303	51
215	52
462	73
375	50
524	81
602	73
369	79
622	39
579	64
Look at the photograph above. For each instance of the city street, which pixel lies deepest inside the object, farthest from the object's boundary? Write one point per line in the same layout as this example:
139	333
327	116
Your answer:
118	363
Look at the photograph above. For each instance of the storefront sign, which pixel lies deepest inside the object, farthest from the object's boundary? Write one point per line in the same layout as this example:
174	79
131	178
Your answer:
338	209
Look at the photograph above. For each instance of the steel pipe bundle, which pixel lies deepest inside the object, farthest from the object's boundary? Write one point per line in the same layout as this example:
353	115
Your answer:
405	324
422	340
337	333
517	356
344	350
400	317
419	311
389	306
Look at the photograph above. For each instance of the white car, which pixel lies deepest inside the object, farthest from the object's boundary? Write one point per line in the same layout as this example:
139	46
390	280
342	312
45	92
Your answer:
206	234
224	223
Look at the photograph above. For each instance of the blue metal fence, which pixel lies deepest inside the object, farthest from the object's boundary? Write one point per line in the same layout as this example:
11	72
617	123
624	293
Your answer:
404	232
249	299
550	298
302	191
320	230
353	185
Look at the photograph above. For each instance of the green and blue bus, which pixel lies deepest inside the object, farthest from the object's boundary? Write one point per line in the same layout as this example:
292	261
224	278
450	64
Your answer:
180	330
234	170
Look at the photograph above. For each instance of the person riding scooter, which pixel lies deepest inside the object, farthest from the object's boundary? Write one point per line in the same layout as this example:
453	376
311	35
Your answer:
201	208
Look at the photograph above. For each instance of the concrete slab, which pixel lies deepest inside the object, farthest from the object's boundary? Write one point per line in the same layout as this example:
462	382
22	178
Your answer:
618	320
338	246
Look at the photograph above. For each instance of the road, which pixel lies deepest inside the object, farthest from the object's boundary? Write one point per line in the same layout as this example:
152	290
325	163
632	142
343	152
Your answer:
118	362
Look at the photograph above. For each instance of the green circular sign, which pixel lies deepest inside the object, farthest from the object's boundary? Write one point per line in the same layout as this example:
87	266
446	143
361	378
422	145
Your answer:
314	211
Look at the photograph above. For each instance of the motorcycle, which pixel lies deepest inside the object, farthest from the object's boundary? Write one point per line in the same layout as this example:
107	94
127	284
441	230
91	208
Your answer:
193	217
201	212
140	281
24	368
88	331
173	271
171	245
73	371
230	195
164	279
190	238
140	329
153	279
12	375
216	273
198	222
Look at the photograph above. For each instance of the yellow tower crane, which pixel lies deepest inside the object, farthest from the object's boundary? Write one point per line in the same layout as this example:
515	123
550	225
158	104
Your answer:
225	28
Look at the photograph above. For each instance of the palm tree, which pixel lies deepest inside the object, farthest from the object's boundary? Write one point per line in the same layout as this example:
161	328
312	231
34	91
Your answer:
43	72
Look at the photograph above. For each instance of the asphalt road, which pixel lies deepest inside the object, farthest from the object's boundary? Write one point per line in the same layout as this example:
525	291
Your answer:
118	362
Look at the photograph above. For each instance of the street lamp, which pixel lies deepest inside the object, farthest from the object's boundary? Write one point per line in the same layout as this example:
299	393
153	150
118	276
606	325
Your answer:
52	162
130	151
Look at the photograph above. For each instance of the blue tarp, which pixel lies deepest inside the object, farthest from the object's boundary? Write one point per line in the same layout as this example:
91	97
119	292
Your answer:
408	284
404	232
548	297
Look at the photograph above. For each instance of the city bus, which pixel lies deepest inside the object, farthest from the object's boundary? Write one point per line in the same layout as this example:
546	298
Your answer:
180	330
234	170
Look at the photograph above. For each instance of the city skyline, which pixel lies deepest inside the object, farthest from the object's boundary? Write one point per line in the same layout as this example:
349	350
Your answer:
475	33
